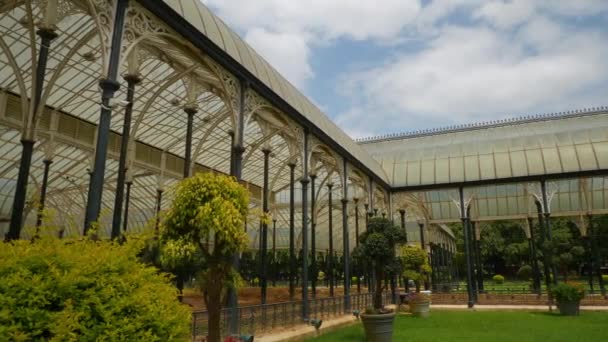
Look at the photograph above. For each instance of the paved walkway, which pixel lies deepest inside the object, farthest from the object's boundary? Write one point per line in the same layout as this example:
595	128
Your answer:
301	332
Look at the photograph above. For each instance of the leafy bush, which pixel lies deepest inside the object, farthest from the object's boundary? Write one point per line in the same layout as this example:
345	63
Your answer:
605	278
206	222
85	290
568	292
524	272
353	280
321	275
415	264
498	279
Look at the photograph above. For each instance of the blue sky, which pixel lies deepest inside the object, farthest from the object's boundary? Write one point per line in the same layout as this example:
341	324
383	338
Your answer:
387	66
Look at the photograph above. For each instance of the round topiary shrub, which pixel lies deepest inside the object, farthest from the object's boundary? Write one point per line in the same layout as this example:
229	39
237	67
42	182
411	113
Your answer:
524	272
498	279
67	290
605	278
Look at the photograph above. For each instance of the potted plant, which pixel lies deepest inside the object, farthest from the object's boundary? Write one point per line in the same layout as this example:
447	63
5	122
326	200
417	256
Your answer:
568	296
416	268
420	304
376	251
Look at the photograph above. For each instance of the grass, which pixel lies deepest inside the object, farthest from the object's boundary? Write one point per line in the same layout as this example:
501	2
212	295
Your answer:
492	326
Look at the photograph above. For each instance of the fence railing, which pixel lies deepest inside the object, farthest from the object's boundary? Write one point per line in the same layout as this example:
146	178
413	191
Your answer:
255	319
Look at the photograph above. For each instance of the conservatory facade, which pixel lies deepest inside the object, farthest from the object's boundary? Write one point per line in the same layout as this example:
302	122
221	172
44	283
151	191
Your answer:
106	104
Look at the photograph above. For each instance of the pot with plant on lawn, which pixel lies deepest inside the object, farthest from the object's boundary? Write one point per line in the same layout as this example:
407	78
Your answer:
416	268
376	251
568	296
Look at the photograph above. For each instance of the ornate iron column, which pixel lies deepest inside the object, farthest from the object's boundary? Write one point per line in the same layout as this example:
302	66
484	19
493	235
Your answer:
467	248
593	235
534	258
346	240
366	206
547	215
46	34
543	244
127	203
190	112
357	271
45	181
402	215
132	80
264	247
472	227
236	169
292	256
304	181
330	273
159	198
313	239
421	227
109	86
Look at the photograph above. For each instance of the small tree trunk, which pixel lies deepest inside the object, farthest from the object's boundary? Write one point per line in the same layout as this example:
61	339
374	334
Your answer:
378	290
214	307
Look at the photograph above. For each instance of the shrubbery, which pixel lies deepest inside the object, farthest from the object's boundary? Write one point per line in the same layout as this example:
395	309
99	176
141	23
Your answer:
568	292
87	291
524	272
498	279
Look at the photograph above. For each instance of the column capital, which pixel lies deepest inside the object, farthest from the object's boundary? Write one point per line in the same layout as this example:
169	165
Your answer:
132	78
344	200
190	110
47	32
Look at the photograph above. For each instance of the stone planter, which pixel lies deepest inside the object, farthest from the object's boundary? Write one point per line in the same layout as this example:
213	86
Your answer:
569	308
420	309
378	328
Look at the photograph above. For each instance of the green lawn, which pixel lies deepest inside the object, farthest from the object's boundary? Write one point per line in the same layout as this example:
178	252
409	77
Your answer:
518	326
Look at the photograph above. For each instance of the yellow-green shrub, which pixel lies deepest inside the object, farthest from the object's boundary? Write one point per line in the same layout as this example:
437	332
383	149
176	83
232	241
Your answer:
68	290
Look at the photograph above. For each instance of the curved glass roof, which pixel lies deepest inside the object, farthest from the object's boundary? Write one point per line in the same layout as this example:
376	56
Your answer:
495	152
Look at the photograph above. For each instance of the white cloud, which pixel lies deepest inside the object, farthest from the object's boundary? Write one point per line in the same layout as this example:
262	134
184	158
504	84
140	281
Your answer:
501	66
284	32
475	59
286	52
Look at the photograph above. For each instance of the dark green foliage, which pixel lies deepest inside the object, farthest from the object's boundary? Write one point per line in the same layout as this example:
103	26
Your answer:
67	290
524	272
568	292
498	279
376	251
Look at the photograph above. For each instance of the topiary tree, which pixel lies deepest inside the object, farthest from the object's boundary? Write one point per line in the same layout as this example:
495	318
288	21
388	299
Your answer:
207	218
415	264
83	290
377	246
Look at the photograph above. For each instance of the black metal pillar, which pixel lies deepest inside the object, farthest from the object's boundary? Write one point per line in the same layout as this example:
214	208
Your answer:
594	236
159	199
467	248
357	271
236	169
132	80
304	182
190	112
434	266
264	248
474	258
313	239
548	234
479	266
534	258
545	250
292	256
108	86
346	240
45	182
330	268
421	227
125	223
27	141
402	215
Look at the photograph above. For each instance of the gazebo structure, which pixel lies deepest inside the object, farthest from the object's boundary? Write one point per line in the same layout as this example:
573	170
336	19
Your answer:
105	104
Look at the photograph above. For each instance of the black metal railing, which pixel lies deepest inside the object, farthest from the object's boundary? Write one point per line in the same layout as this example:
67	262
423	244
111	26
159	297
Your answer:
255	319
